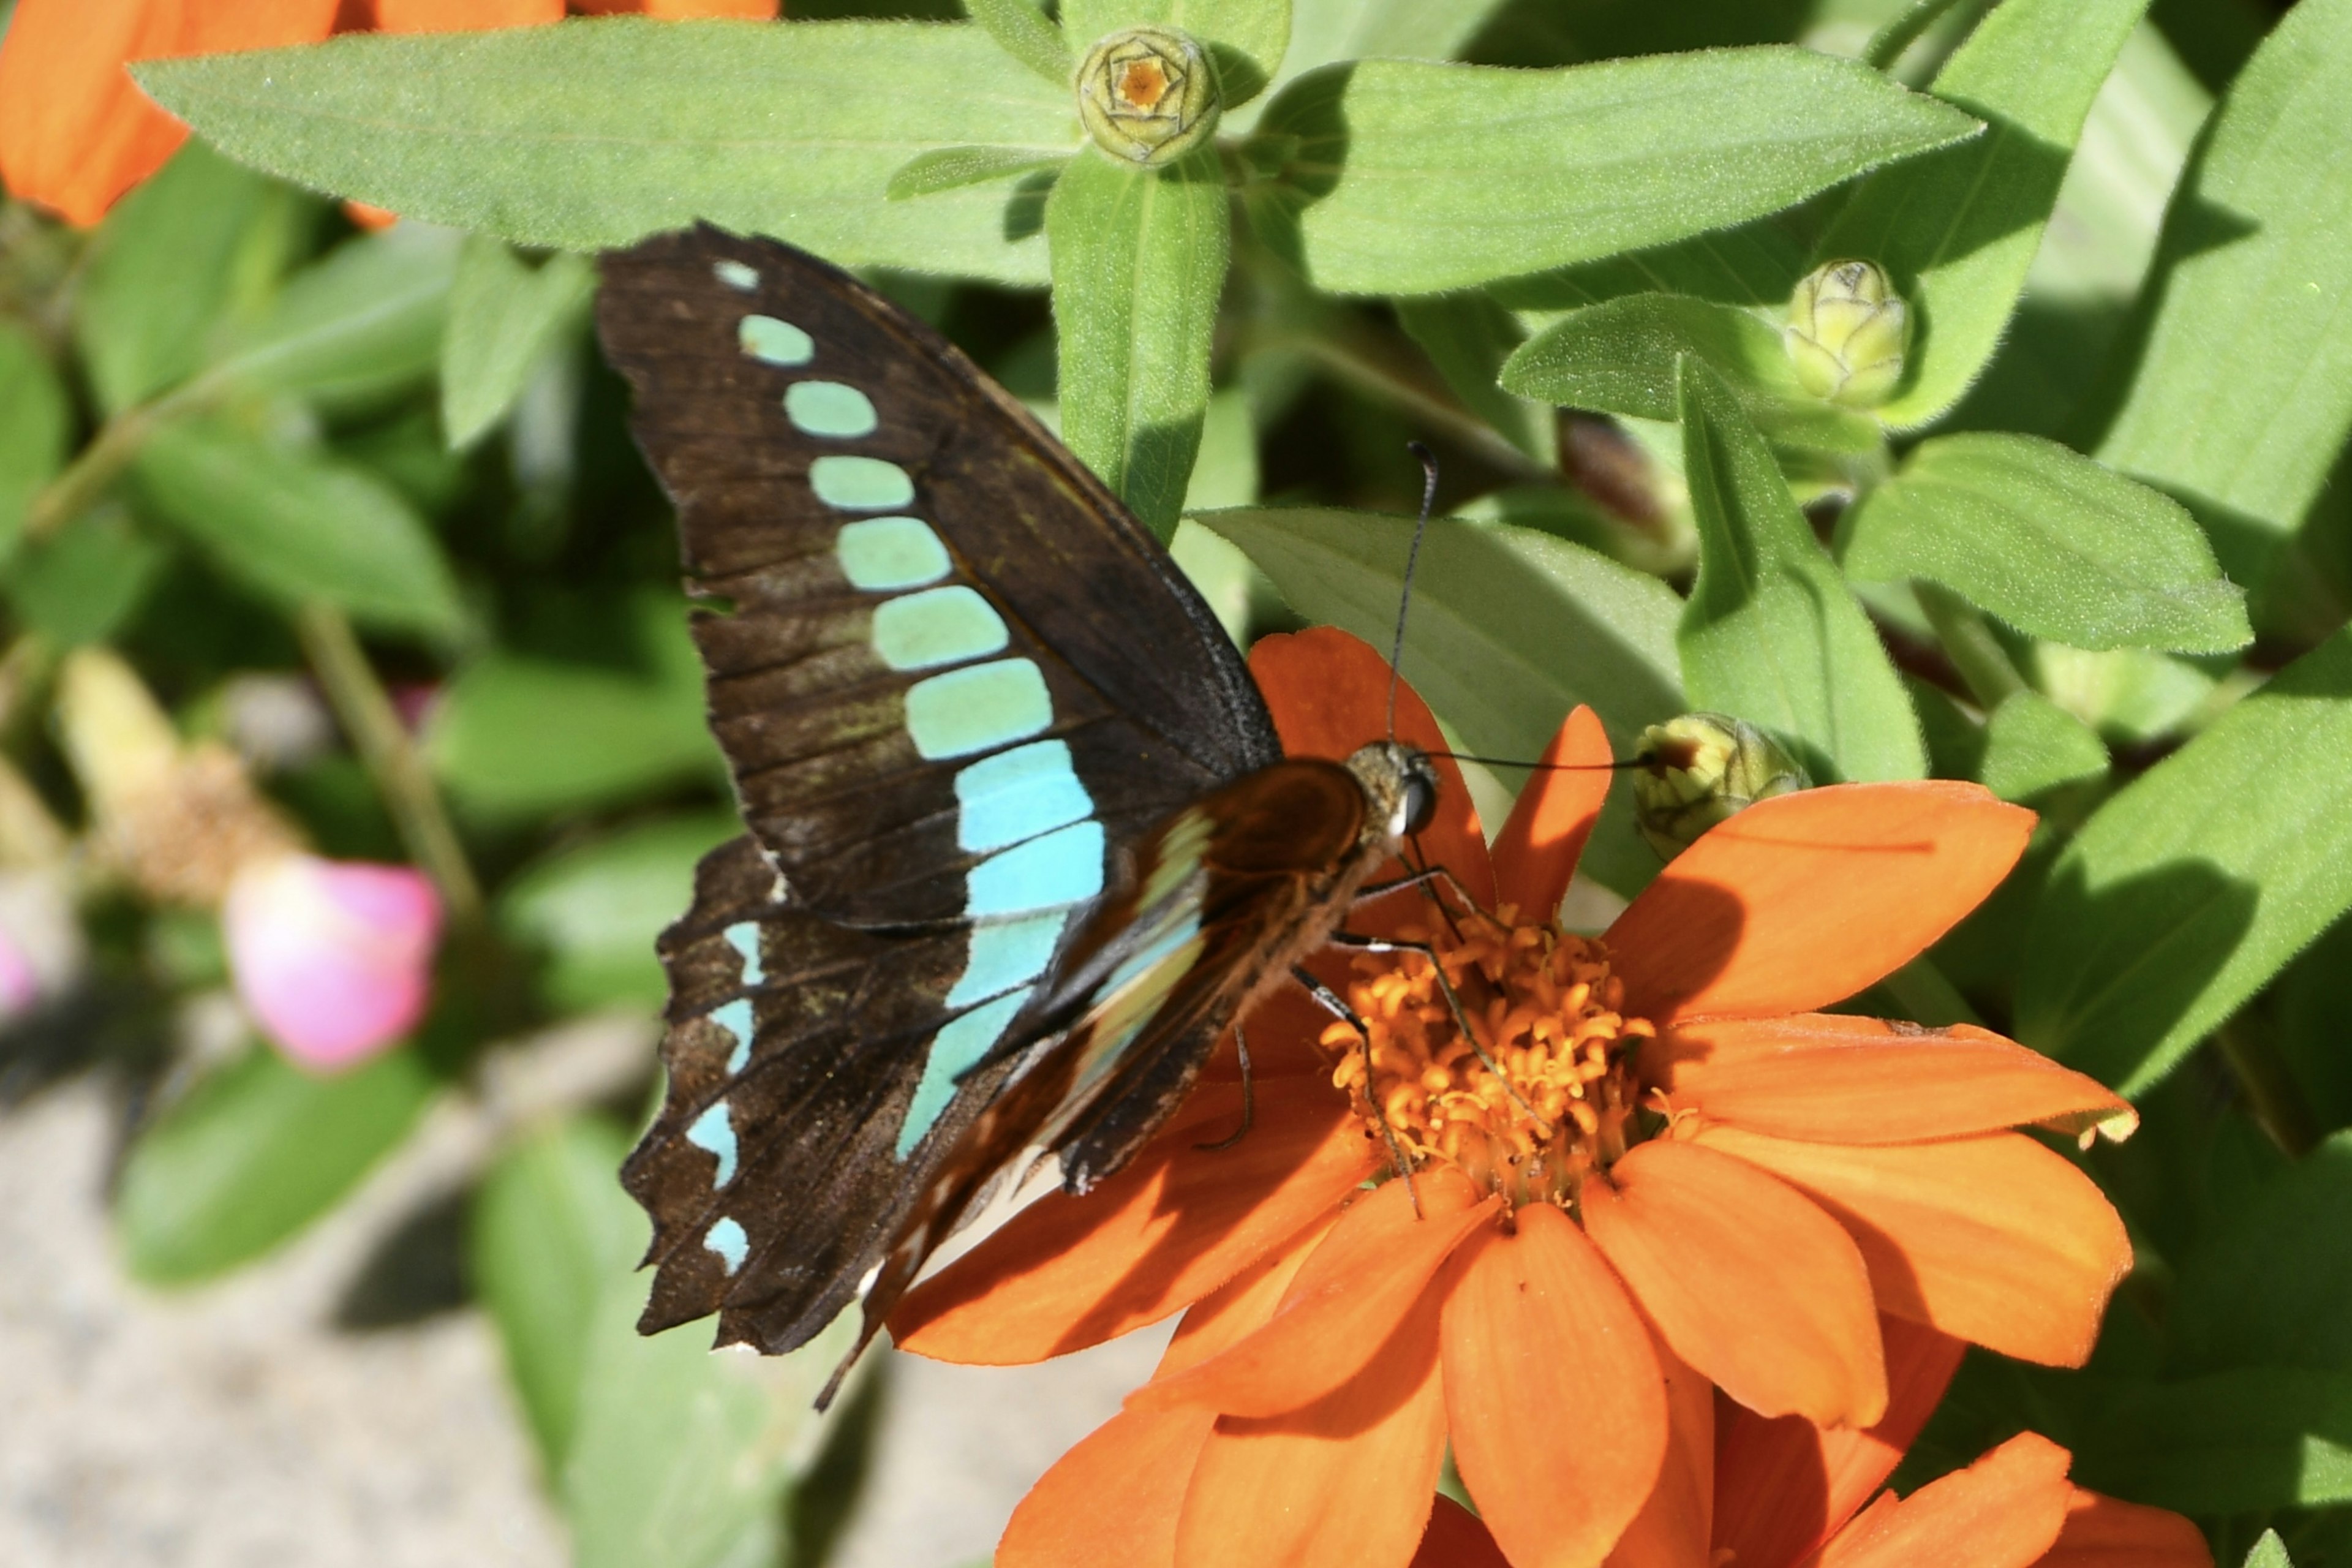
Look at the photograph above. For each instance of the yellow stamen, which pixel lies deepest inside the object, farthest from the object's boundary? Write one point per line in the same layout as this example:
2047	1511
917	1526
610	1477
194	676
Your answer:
1549	1013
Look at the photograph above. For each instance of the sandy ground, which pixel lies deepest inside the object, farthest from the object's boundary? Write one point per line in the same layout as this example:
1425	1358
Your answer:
261	1421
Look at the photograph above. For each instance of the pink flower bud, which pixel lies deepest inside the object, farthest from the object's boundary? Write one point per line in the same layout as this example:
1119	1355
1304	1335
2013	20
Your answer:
333	959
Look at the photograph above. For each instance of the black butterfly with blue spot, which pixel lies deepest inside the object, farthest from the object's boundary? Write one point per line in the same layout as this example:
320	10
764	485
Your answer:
1021	844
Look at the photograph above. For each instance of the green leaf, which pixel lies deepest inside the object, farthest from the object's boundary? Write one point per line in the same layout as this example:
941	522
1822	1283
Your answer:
82	584
298	527
1771	633
594	909
517	737
1511	629
1248	37
2296	1239
36	417
1756	263
680	1458
363	324
2270	1551
503	316
1023	31
1620	357
1139	261
180	258
551	1233
1323	31
2193	886
1468	338
2237	1442
2051	542
2241	392
1415	178
952	168
790	130
2032	747
254	1154
1957	230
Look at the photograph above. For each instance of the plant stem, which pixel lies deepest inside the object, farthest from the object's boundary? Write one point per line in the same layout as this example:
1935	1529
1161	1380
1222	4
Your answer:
367	715
1974	651
2270	1087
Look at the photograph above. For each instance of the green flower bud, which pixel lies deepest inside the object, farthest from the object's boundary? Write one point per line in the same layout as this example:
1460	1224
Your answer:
1699	769
1847	332
1148	95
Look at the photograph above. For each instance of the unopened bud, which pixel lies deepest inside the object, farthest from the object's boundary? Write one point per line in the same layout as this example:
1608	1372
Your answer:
1847	332
1700	769
1148	95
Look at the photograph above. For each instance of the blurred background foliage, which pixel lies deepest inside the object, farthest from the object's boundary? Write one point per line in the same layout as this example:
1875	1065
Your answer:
481	668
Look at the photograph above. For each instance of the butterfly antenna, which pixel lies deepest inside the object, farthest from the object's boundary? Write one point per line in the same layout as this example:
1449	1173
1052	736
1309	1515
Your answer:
1412	560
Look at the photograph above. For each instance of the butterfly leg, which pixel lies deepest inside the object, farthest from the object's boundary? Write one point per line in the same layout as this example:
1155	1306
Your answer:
1452	1000
1421	878
1331	1002
1249	1099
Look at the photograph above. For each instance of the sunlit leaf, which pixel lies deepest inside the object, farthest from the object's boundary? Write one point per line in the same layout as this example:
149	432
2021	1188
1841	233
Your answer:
34	419
594	910
791	130
253	1155
513	736
363	321
2235	1442
503	316
2194	885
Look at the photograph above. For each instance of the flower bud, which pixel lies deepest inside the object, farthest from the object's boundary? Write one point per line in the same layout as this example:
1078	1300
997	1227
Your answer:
1698	770
1148	95
334	959
1847	332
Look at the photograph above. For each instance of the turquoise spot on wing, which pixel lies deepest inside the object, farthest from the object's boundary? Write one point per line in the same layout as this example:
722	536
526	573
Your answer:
830	410
860	484
1018	795
940	626
736	274
883	554
1006	953
956	1048
771	342
743	936
978	708
726	1238
714	1130
1061	867
735	1017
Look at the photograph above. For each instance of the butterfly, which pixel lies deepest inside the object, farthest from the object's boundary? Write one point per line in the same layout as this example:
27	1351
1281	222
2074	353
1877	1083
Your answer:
1022	842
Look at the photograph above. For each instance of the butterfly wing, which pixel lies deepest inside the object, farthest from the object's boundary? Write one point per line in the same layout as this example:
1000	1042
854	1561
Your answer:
953	677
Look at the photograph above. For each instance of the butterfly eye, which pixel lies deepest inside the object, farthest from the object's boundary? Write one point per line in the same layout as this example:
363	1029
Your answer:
1419	795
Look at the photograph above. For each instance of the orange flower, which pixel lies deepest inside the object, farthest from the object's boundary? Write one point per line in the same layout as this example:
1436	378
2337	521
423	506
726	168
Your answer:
1783	1494
1681	1177
75	132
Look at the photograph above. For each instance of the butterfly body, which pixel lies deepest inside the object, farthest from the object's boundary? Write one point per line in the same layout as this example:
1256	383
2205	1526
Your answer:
1021	840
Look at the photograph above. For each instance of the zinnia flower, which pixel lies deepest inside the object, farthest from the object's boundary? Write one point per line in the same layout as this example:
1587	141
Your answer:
1683	1176
333	959
75	132
1786	1494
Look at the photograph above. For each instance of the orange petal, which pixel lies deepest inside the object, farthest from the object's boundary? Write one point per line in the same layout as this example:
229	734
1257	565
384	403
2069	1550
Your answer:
1329	693
1345	1483
1536	853
1801	900
463	16
1995	1239
1113	1500
223	26
1746	1279
2003	1511
1675	1526
1067	1272
1840	1080
1556	1403
1455	1539
1239	1308
2101	1532
1358	1284
1783	1486
75	132
680	10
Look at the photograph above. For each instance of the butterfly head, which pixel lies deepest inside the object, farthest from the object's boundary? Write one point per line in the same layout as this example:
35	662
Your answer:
1399	784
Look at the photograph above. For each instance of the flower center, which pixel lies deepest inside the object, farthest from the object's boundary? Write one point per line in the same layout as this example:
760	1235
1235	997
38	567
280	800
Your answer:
1554	1098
